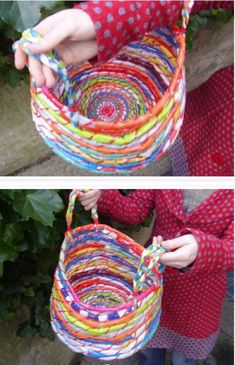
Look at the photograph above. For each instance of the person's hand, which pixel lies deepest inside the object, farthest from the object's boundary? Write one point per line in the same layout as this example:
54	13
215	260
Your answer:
182	251
71	33
90	199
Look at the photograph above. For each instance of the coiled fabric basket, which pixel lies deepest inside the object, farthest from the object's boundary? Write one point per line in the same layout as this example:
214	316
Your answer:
122	115
106	297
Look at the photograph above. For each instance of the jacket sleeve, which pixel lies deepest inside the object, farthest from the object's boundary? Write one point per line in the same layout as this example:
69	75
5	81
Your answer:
214	254
131	209
119	22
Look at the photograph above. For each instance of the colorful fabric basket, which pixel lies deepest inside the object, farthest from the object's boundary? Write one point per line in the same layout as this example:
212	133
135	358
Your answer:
106	297
122	115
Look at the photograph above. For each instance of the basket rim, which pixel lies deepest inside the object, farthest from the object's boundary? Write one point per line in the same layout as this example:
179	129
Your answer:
133	123
128	239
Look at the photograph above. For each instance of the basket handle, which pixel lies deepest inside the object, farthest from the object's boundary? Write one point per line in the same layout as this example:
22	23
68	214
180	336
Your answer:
153	251
50	58
69	214
187	7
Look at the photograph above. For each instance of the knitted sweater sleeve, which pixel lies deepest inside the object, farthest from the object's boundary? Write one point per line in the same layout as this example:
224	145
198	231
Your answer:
130	209
119	22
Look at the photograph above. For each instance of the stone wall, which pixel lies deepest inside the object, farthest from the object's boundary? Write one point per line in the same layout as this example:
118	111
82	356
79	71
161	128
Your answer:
19	351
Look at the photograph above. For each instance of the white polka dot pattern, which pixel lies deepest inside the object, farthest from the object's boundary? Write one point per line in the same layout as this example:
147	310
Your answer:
146	15
207	131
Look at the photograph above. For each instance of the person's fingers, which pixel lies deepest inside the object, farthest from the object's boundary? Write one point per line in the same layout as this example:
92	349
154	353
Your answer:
49	76
81	25
89	194
75	52
56	35
90	206
182	257
175	265
157	240
20	59
45	26
154	241
35	68
89	199
175	243
88	202
178	255
168	258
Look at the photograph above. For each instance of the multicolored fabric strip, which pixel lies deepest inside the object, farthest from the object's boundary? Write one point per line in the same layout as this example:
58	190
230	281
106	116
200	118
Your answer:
71	205
186	12
94	307
50	59
154	252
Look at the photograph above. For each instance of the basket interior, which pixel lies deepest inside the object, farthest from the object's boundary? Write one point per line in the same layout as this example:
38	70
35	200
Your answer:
129	84
100	269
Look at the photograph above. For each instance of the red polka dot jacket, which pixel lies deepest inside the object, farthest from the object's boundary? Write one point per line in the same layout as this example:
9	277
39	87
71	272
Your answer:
205	144
192	300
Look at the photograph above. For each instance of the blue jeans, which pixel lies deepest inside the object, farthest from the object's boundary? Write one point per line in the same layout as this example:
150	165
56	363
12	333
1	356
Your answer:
151	356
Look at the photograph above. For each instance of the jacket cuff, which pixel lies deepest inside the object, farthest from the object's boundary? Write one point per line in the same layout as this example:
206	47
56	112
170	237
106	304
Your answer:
206	259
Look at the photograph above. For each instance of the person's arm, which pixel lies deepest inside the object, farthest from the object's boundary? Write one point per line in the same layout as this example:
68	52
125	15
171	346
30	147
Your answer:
214	253
119	22
195	250
131	209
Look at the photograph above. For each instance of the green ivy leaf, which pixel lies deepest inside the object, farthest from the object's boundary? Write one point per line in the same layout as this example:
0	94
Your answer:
7	311
8	193
26	330
23	14
29	292
41	234
39	205
22	246
37	280
14	289
7	252
224	16
46	260
11	76
12	233
205	19
147	222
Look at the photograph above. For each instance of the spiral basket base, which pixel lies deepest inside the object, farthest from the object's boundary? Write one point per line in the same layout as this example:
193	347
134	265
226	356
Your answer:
128	85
